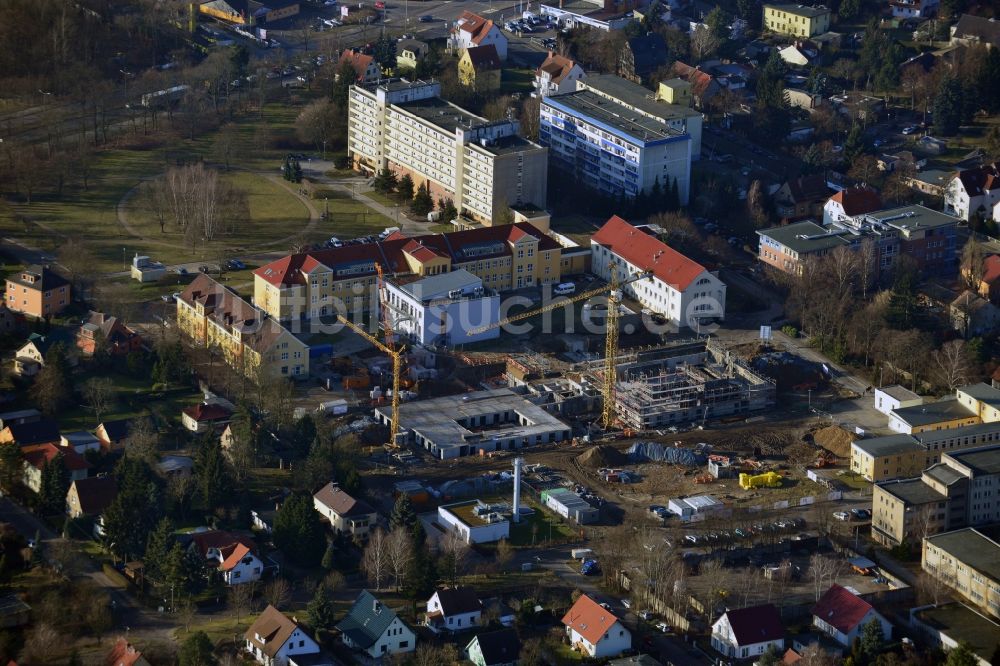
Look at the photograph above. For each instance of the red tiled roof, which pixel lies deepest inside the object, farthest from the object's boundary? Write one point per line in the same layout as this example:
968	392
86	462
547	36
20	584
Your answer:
991	269
204	412
122	654
556	66
757	624
484	57
37	455
224	306
699	80
791	657
233	554
477	26
589	619
841	608
981	179
648	253
358	60
221	540
858	200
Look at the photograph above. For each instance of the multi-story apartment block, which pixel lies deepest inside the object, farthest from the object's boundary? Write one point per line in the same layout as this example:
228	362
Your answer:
680	289
968	561
906	456
926	235
37	291
612	138
482	166
252	343
960	491
797	20
319	284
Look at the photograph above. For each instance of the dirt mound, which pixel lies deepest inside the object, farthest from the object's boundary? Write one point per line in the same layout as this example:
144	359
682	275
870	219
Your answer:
801	453
602	456
835	439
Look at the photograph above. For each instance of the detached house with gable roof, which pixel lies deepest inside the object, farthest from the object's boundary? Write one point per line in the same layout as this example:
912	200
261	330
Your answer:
235	555
594	630
104	332
453	609
273	638
973	191
557	74
479	68
495	648
841	614
472	30
747	633
347	515
365	67
802	197
850	204
375	629
683	291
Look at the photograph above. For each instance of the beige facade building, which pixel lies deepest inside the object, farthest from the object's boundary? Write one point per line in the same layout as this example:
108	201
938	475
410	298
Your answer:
968	561
797	20
481	166
212	316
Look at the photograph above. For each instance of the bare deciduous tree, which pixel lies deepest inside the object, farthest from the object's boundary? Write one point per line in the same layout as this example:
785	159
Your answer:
399	549
143	441
951	364
973	264
704	43
99	392
240	598
505	552
375	561
455	551
41	645
823	571
277	592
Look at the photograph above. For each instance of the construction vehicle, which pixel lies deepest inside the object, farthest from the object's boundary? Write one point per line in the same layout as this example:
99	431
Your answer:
765	480
614	291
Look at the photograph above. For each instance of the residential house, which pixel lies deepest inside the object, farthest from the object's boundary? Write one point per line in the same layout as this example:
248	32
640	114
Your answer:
375	629
802	197
905	9
409	52
251	342
968	562
472	30
90	496
680	289
123	653
973	191
204	417
749	632
234	555
29	359
798	54
932	182
19	416
890	398
479	68
494	648
11	323
703	85
45	431
37	291
594	630
106	333
37	456
113	434
858	106
850	204
365	67
803	99
453	609
841	614
797	20
273	638
971	30
80	441
972	315
989	280
347	515
641	56
557	74
902	160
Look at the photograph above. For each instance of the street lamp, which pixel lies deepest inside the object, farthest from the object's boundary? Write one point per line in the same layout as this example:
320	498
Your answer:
125	75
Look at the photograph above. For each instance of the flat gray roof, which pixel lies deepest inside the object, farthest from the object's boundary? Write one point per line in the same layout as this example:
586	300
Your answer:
985	460
436	420
943	473
801	10
444	114
435	286
635	126
982	392
889	445
972	548
914	217
807	236
933	436
962	624
912	491
933	412
900	393
635	95
569	499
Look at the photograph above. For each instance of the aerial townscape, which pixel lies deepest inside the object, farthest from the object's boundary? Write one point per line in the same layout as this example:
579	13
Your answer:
499	332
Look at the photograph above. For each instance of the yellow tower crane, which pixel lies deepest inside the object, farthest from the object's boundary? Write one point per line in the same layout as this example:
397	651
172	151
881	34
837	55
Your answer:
614	291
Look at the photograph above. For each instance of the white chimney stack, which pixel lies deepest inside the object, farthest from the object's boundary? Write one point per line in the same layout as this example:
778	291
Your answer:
517	489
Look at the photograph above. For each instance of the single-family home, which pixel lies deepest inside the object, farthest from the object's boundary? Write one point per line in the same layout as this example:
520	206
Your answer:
37	456
123	653
557	74
972	315
890	398
746	633
106	333
90	496
205	416
494	648
365	67
841	614
472	30
114	433
989	280
973	191
798	54
802	197
29	359
453	609
641	56
409	52
850	204
273	639
375	629
347	515
80	441
479	68
45	431
905	9
594	630
704	86
234	555
972	30
37	291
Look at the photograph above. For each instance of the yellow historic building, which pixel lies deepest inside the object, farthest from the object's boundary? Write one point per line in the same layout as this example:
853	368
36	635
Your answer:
797	20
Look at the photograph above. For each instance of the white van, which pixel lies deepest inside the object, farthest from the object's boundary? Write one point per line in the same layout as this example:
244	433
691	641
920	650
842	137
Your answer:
564	289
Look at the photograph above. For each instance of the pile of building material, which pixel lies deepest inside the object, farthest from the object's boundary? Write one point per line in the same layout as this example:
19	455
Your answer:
790	372
357	426
602	456
615	475
836	440
656	452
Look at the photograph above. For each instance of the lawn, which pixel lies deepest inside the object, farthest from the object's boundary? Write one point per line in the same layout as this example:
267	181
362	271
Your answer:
350	218
133	397
539	527
517	80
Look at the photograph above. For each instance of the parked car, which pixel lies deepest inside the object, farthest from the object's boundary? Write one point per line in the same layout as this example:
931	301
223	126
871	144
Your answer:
235	265
841	515
909	130
426	18
626	603
166	298
663	627
861	514
180	270
646	615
